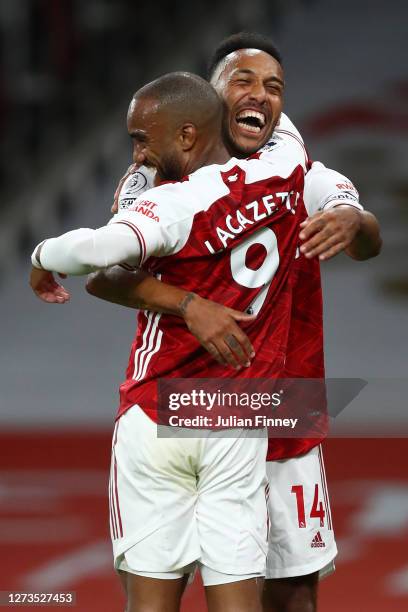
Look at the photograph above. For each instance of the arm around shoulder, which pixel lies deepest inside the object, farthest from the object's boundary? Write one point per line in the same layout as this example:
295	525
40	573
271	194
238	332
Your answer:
368	242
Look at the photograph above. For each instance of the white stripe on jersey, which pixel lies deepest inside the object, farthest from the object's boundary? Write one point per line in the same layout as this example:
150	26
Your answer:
112	500
155	349
325	491
149	316
144	353
112	518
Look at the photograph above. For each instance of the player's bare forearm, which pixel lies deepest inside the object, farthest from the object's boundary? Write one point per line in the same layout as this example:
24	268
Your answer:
136	289
367	242
215	326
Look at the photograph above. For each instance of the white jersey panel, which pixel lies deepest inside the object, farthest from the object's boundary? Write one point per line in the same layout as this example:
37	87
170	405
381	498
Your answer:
161	219
286	129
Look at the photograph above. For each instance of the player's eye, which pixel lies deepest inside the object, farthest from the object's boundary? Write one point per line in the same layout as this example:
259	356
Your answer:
275	89
138	138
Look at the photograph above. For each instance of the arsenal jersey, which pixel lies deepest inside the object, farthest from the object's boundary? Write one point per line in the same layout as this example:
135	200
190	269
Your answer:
230	234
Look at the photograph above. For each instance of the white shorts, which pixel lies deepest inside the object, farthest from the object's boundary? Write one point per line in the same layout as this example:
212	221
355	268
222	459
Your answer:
175	501
209	576
301	538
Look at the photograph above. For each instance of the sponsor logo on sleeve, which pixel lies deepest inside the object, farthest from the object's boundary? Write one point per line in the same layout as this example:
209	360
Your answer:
345	196
146	208
347	186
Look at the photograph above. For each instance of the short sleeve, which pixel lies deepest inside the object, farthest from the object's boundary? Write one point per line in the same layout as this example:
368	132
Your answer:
326	188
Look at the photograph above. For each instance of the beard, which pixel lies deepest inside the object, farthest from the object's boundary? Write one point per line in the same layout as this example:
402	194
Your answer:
171	168
238	149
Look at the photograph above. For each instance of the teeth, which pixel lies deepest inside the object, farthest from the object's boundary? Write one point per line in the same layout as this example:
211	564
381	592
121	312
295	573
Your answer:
251	113
251	128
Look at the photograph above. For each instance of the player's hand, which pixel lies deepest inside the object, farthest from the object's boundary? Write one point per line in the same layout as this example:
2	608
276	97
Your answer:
326	234
217	330
46	288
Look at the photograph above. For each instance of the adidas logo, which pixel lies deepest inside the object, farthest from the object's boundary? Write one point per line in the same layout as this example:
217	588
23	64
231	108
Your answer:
317	541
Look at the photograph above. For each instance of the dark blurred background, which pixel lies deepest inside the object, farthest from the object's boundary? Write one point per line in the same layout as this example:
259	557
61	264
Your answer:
68	69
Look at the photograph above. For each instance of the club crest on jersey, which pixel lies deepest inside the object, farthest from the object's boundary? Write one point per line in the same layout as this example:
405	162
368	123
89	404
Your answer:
232	178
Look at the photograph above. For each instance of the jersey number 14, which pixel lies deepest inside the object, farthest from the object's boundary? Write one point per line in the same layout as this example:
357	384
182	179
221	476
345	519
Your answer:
317	510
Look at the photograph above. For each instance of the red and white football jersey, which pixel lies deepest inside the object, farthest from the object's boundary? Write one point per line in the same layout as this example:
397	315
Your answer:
229	233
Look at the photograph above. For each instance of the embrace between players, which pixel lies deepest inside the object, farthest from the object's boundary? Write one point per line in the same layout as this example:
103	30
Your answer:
181	503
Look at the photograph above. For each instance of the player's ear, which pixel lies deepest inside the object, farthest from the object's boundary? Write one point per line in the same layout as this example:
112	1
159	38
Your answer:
187	136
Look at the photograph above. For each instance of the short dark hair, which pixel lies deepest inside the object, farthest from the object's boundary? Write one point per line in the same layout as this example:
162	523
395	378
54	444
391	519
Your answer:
184	93
177	84
242	40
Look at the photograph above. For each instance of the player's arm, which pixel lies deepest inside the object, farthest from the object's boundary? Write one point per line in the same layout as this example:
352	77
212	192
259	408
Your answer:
79	252
84	250
136	289
337	221
343	228
215	326
367	242
334	228
123	287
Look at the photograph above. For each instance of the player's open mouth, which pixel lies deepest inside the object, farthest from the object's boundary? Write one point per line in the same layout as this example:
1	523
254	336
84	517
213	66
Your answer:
251	121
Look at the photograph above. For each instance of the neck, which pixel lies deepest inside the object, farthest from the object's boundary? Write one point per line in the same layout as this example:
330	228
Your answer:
218	154
215	154
232	152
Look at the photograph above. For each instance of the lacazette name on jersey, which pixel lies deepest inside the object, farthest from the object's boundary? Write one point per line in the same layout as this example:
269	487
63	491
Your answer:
233	225
254	211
